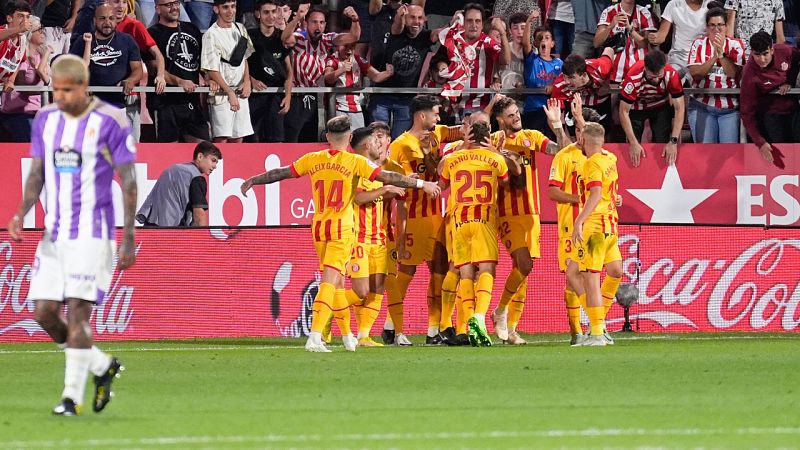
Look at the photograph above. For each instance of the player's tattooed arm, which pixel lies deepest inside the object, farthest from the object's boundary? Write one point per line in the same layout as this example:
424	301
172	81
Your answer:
127	253
33	187
395	179
552	147
268	177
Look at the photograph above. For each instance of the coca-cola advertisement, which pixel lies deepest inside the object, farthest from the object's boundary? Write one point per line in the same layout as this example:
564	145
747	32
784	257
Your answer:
709	184
234	282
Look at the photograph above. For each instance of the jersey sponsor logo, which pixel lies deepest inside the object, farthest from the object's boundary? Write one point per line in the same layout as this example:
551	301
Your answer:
67	160
628	88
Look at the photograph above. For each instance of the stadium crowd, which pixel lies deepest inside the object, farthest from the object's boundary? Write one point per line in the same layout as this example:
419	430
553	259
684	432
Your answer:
649	50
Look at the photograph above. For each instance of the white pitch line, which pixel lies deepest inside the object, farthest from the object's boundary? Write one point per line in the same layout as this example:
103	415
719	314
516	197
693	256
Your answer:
388	437
619	337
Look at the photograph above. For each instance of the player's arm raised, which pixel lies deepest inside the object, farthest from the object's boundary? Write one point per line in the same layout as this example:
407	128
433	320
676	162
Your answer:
127	251
396	179
33	187
268	177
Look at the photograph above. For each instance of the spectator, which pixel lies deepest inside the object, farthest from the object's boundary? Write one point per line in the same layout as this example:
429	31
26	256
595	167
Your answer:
113	59
715	61
226	47
435	79
362	8
624	27
381	18
588	78
771	69
310	46
178	116
13	40
688	17
512	75
562	24
541	70
58	20
587	14
18	108
791	21
406	50
748	17
200	12
652	91
270	66
474	56
345	69
178	198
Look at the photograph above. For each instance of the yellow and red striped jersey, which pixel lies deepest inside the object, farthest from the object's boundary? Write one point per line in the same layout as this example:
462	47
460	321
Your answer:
407	151
522	202
370	227
601	170
388	206
332	173
473	175
565	174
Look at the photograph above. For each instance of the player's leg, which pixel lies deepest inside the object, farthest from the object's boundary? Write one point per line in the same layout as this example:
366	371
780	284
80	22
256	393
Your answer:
610	284
438	267
591	264
574	297
78	355
483	295
341	312
449	293
324	301
370	310
515	309
390	284
516	233
49	315
405	273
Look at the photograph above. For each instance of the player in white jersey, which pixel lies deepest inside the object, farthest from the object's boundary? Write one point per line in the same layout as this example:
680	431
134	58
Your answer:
76	145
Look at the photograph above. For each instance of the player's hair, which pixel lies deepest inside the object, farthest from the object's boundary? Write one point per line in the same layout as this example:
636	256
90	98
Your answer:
17	5
591	115
517	18
360	135
475	6
655	60
573	65
72	68
260	3
380	125
480	113
338	125
760	42
716	12
480	132
206	149
594	129
423	102
502	105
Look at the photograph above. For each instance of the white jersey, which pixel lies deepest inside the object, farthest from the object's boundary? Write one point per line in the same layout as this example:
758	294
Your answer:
79	155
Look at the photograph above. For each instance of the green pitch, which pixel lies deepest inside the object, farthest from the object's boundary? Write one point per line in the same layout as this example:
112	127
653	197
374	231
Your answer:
673	391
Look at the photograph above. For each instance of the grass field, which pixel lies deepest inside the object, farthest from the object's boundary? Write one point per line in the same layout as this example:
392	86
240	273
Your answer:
668	391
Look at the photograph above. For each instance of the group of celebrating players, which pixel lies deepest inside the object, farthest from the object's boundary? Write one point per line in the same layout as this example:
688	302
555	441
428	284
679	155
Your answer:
378	217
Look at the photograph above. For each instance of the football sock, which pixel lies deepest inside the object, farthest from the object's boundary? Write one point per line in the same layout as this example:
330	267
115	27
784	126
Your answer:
322	307
483	293
434	303
573	311
449	287
466	288
517	305
609	291
358	305
369	313
76	371
396	297
596	319
100	362
462	315
514	280
341	312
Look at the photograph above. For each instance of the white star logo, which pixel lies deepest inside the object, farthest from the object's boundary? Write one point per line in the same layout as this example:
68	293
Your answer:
672	203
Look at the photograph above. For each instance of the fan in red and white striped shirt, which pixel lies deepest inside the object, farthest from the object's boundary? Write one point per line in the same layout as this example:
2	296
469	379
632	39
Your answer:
642	94
702	51
591	83
344	69
613	21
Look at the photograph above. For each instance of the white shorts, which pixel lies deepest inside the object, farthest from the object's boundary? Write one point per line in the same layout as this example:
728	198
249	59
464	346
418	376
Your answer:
79	269
356	118
229	124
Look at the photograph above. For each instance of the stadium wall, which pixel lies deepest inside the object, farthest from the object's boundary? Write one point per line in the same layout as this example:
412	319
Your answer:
710	184
261	281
